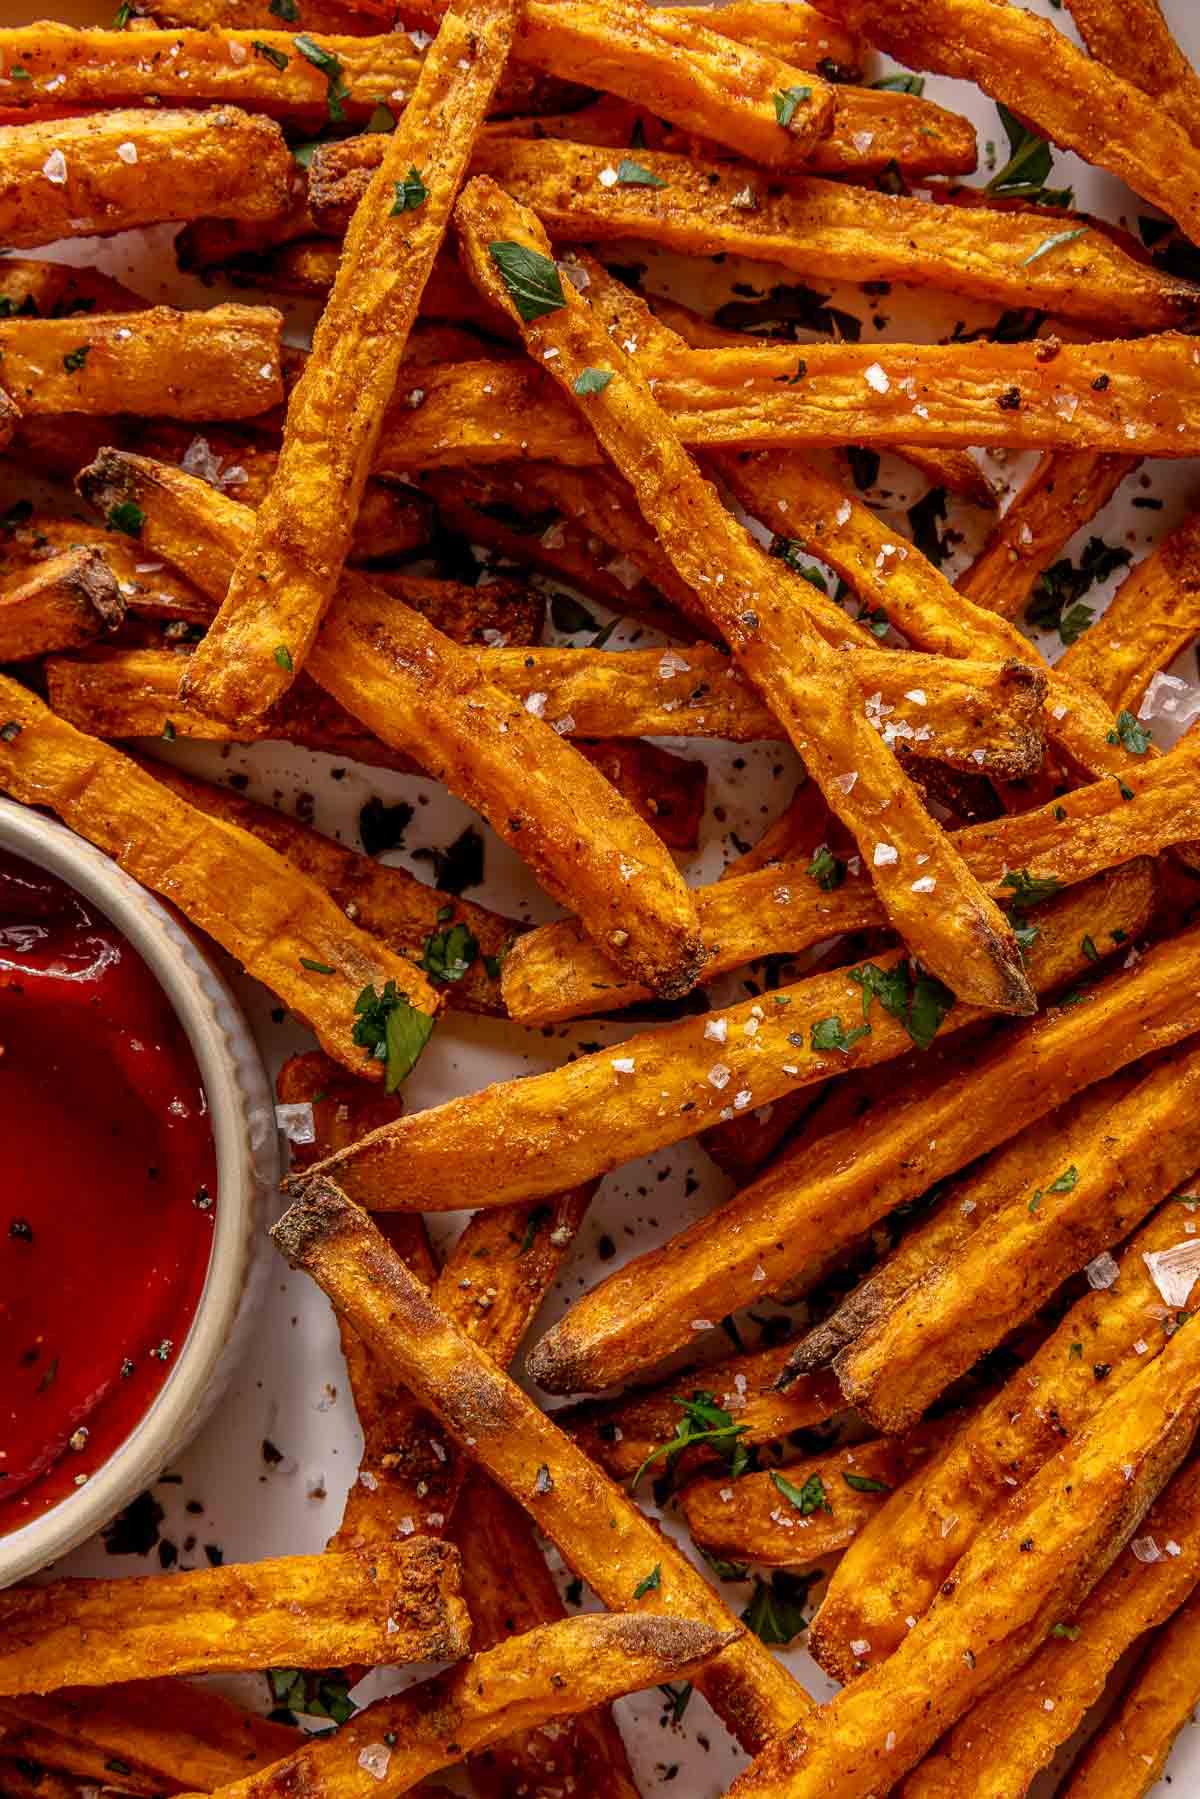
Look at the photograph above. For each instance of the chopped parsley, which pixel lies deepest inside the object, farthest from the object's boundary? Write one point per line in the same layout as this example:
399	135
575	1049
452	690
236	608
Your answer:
1057	603
410	193
125	516
448	954
319	1693
786	102
391	1030
592	381
74	360
335	88
316	967
863	1483
632	174
776	1612
1024	174
826	869
900	83
533	281
703	1421
917	1000
1134	737
828	1033
284	657
277	58
649	1582
1051	243
287	10
1029	890
809	1498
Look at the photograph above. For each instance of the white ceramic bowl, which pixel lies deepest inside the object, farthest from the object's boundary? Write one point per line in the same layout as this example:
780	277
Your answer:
243	1120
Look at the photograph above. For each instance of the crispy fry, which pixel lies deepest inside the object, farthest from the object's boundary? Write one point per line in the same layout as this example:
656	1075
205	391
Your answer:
1038	72
818	1199
512	1592
295	1611
1135	41
68	601
489	412
898	1565
285	579
388	902
823	228
550	1673
1110	1174
755	1519
555	973
188	164
799	35
1064	491
416	691
246	15
967	941
1153	615
511	1137
608	1541
28	1780
155	591
1128	1755
256	905
223	363
58	289
166	1731
342	1109
1011	1734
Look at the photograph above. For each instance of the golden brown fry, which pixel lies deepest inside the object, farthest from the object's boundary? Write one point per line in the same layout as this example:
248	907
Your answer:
187	164
1038	72
165	1731
1153	615
20	1779
1134	40
420	694
966	941
245	15
605	1537
294	1611
386	901
285	579
818	1199
58	289
550	1673
223	363
758	1519
799	34
1128	1755
897	1566
1005	1740
512	1591
1100	1181
66	602
256	905
1149	402
555	973
1064	491
823	228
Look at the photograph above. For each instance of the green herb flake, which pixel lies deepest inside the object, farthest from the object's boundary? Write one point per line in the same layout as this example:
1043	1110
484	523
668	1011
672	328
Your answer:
1134	737
918	1001
1026	936
649	1582
1051	243
1070	1631
632	174
448	954
74	360
10	731
776	1612
125	516
335	88
900	84
1067	1180
287	10
316	967
1024	174
827	1033
391	1030
786	102
863	1483
410	193
703	1421
122	16
826	869
1029	890
592	381
278	59
316	1693
382	121
284	657
533	281
809	1498
1089	949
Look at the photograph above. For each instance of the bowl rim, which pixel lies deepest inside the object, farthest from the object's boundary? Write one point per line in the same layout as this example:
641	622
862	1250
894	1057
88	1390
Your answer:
241	1112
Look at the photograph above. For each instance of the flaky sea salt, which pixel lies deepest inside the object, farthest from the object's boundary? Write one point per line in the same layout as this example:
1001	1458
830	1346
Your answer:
55	168
374	1760
875	377
1174	1270
885	855
296	1123
1101	1271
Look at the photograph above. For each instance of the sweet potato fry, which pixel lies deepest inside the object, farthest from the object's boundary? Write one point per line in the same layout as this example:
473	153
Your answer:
555	973
66	602
756	1519
223	363
285	579
246	15
413	688
1005	1740
896	1567
824	228
1064	491
512	1592
1132	38
511	1135
1072	1520
1101	1182
168	1731
817	1199
800	34
51	290
187	164
392	905
1038	72
294	1611
20	1779
1128	1755
1153	615
282	927
550	1673
605	1537
967	942
1147	400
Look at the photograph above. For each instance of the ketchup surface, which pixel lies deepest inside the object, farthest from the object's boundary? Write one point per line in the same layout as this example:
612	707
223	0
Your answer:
107	1189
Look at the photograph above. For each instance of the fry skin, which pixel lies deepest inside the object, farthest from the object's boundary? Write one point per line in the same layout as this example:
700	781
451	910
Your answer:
189	164
1029	1568
1005	1740
967	942
420	694
545	1674
1153	615
67	602
285	579
256	905
897	1566
1040	74
294	1611
602	1534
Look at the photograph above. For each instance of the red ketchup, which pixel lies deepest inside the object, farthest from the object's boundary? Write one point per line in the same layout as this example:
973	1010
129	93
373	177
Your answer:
107	1190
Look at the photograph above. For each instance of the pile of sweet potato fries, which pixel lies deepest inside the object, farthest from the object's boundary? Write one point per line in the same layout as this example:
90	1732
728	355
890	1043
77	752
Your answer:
963	1127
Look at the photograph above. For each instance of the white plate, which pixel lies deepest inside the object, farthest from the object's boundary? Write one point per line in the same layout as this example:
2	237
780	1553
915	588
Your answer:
291	1387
